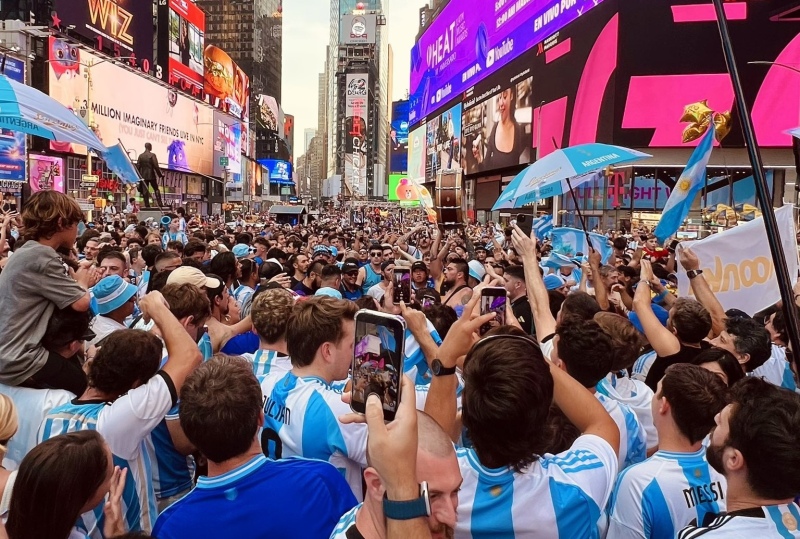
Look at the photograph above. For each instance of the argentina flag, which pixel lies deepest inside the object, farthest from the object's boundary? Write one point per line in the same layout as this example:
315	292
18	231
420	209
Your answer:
542	226
690	182
568	242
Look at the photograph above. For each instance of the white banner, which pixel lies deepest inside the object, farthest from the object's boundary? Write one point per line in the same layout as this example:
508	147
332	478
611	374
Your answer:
738	265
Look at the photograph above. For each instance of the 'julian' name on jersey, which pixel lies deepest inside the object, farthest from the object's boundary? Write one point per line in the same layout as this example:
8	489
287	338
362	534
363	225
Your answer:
703	494
277	411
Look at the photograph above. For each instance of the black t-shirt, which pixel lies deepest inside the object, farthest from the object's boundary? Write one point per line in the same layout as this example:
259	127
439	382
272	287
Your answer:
660	365
302	289
522	312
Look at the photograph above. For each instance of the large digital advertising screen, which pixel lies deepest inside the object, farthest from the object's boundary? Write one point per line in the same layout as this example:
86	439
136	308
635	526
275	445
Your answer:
181	36
403	191
226	85
47	173
228	148
398	136
443	143
13	143
120	27
356	132
416	153
128	107
496	125
470	40
277	170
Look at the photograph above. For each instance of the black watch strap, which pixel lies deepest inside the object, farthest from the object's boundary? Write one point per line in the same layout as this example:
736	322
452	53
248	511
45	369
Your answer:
440	370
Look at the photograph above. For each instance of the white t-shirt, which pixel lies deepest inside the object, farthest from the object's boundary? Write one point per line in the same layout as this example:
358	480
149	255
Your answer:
103	327
637	396
376	291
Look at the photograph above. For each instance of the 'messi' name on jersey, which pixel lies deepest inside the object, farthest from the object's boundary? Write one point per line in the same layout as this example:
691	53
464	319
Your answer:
711	492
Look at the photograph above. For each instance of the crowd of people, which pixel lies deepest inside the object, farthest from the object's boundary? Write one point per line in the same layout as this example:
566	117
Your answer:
195	380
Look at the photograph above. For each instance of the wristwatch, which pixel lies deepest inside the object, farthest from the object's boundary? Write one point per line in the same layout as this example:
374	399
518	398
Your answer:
691	274
410	509
440	370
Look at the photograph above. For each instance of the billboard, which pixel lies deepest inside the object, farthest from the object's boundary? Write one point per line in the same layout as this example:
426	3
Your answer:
269	115
226	85
416	153
13	143
402	190
496	130
129	107
443	143
399	137
228	148
288	134
356	129
358	29
119	27
46	173
277	170
181	36
469	41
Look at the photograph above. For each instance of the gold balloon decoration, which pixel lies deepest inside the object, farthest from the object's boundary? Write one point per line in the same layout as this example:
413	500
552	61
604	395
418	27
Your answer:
701	117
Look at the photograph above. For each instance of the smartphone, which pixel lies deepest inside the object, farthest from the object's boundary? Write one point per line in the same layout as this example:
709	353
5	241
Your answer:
402	285
377	361
493	300
525	223
674	244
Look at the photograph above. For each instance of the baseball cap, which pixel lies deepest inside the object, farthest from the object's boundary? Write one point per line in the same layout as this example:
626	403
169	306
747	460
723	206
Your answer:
320	250
347	268
334	251
111	293
240	250
480	247
476	270
328	291
386	264
419	266
188	274
552	282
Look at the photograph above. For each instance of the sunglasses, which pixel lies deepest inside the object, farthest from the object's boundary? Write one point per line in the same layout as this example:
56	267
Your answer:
376	254
352	273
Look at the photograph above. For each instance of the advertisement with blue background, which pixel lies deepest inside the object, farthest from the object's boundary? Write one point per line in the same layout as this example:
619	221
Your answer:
399	137
278	171
470	40
12	143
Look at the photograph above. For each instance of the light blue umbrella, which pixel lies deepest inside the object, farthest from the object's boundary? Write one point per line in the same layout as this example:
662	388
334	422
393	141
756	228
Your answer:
555	173
28	110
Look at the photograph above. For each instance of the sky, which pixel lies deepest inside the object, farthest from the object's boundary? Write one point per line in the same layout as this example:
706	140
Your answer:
305	36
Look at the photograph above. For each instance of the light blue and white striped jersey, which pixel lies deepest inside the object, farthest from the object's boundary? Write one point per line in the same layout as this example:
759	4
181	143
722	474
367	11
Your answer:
632	438
637	396
267	361
766	522
347	521
415	365
124	424
173	472
242	295
656	498
776	370
642	365
557	497
301	419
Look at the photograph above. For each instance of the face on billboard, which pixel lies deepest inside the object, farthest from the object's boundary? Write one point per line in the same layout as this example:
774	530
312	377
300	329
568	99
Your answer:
123	27
497	131
128	107
181	41
443	143
469	41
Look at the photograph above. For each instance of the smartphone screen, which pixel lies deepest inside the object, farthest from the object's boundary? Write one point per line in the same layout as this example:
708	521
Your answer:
402	285
493	300
377	361
525	223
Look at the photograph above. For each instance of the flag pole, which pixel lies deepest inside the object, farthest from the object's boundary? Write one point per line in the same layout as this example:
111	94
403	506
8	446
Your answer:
762	189
580	214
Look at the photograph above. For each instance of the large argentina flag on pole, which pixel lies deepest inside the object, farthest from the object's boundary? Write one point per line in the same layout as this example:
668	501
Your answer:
542	226
690	182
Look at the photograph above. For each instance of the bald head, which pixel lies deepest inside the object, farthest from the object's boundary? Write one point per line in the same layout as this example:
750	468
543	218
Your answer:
431	438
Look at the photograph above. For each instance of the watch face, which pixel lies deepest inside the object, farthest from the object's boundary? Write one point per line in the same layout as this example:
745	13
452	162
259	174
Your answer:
436	366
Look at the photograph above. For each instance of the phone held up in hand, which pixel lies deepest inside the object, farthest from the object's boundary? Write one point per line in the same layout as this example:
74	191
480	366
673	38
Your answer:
525	223
377	361
402	285
493	300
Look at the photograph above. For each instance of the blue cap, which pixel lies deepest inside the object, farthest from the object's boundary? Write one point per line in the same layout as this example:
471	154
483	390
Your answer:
320	250
111	293
476	270
553	282
334	252
661	313
328	291
240	250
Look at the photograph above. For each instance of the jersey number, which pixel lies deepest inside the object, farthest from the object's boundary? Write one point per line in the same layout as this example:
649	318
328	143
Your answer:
271	444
